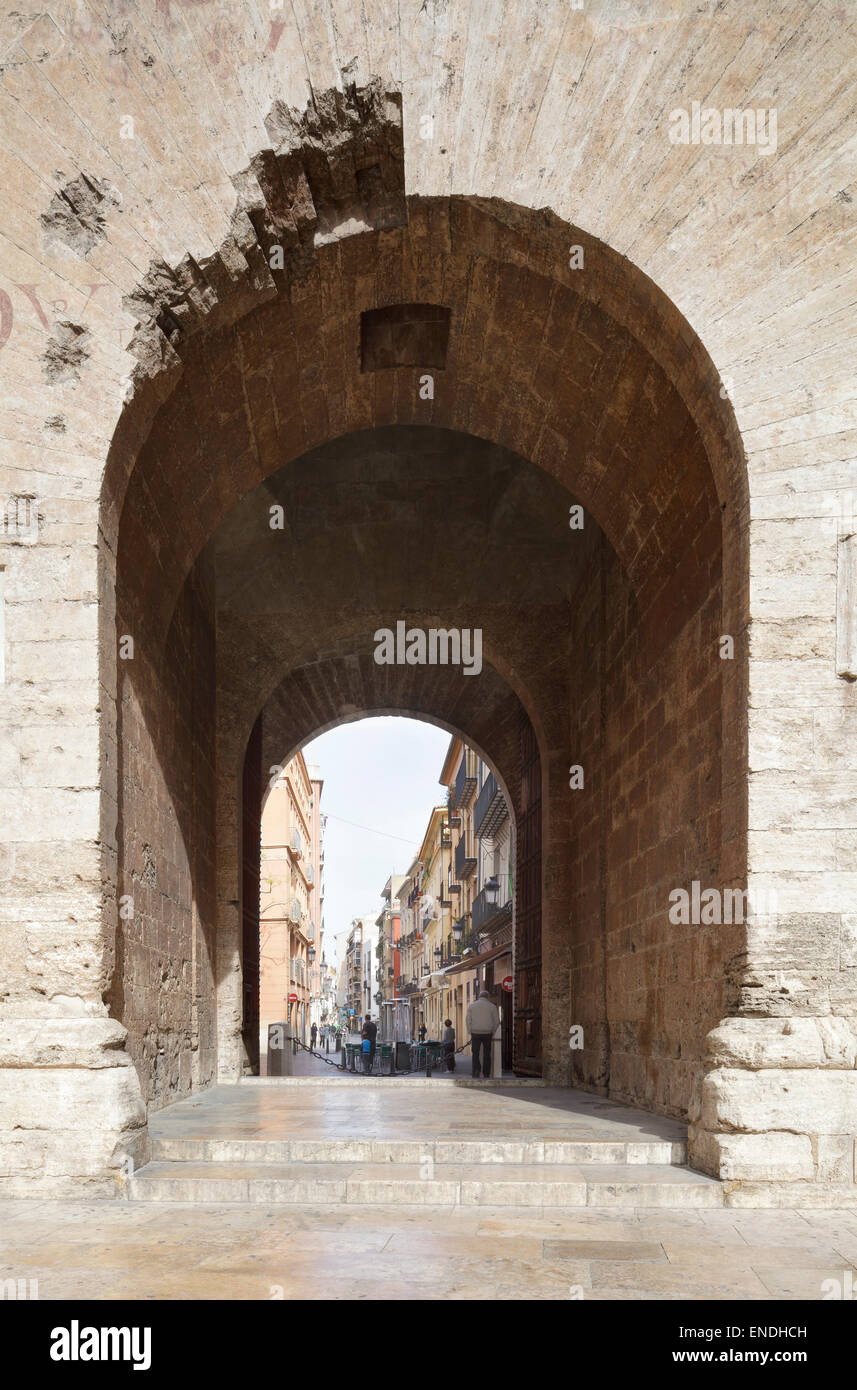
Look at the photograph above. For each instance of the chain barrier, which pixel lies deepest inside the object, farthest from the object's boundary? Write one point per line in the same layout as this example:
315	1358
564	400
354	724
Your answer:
340	1066
296	1042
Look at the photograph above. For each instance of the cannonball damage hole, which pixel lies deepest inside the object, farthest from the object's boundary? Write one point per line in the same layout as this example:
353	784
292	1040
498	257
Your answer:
404	335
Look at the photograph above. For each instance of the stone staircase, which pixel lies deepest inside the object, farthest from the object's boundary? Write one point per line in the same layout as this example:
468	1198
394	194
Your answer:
531	1168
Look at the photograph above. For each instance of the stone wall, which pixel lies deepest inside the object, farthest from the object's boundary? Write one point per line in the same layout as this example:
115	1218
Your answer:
162	986
126	218
645	736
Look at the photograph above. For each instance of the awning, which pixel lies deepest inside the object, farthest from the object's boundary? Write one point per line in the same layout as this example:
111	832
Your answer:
472	961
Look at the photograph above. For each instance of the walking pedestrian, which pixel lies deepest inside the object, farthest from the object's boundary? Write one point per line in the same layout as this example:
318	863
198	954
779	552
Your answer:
422	1033
483	1020
369	1036
449	1044
313	1034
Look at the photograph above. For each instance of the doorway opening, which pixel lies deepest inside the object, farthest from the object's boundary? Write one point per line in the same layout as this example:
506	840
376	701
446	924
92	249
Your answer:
355	920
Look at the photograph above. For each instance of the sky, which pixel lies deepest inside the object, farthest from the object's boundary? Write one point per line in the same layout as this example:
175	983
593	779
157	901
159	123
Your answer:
381	774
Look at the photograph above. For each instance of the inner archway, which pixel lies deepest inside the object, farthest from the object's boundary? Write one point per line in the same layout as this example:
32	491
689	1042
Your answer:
387	846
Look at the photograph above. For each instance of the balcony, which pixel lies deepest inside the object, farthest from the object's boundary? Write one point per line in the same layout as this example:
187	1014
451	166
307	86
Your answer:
465	779
295	844
486	914
464	862
490	811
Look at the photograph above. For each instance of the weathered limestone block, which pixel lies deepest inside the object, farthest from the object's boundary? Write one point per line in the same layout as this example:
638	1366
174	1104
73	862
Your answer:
761	1157
796	941
55	1098
66	958
811	1101
70	1129
837	1157
848	940
783	993
777	1042
63	1042
22	1154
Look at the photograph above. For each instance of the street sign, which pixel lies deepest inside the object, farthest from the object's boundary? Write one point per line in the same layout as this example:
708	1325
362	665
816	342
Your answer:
293	998
507	984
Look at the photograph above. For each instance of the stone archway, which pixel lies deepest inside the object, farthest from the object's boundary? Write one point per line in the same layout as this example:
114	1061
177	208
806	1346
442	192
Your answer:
736	249
572	395
410	352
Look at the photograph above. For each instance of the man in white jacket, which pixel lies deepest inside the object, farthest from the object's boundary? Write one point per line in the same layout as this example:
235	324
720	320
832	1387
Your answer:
483	1020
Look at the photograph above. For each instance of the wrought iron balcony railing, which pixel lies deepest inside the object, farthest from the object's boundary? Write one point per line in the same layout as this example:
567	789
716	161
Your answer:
465	779
486	911
490	810
464	861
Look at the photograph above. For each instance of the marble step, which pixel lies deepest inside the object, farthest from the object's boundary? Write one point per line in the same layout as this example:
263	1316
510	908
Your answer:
427	1184
524	1150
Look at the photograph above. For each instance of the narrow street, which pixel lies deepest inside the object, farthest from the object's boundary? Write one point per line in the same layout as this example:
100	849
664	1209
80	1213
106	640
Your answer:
329	1064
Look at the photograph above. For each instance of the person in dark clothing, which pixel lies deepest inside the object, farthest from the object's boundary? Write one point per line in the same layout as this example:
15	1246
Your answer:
422	1033
370	1035
313	1034
449	1044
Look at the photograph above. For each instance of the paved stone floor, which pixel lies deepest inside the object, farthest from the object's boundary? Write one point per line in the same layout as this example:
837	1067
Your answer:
370	1108
216	1249
233	1251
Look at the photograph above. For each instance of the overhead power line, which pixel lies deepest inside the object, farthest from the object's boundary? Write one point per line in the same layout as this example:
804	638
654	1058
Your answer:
370	828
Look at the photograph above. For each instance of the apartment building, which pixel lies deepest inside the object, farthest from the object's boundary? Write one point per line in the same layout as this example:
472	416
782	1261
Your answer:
479	949
388	953
291	897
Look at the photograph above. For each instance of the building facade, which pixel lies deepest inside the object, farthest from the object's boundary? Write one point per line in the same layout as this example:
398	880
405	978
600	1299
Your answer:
479	950
455	912
291	896
389	955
